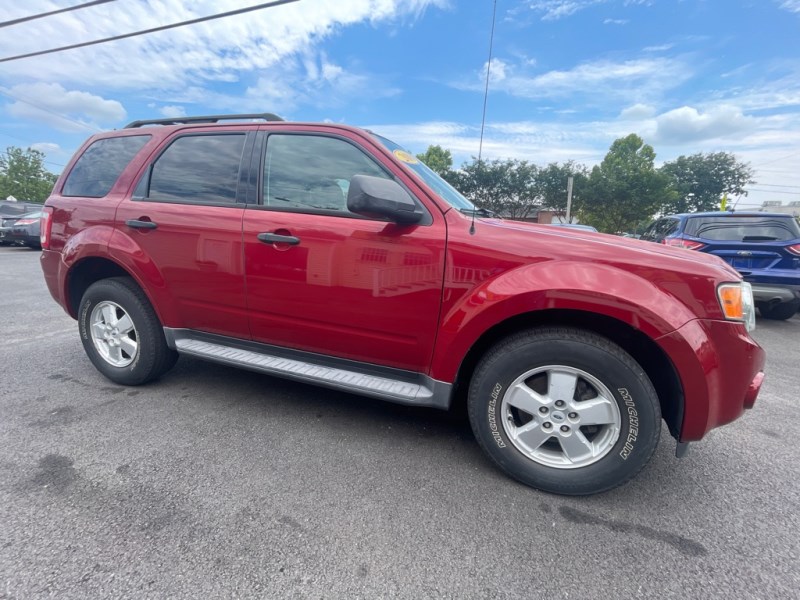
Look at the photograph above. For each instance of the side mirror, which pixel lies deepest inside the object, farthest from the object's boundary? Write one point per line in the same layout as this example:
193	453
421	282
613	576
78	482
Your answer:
377	197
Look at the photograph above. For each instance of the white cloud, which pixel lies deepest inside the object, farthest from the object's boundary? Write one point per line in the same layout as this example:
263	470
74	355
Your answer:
637	112
168	65
687	124
66	110
172	111
46	147
791	5
636	79
659	48
497	73
552	10
615	22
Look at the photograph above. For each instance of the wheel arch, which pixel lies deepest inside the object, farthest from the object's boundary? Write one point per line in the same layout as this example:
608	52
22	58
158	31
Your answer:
87	271
645	351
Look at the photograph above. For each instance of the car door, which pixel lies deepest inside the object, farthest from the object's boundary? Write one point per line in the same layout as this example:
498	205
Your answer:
322	279
184	220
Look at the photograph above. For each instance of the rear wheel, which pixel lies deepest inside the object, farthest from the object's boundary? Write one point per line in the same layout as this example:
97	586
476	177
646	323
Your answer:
564	410
121	333
779	312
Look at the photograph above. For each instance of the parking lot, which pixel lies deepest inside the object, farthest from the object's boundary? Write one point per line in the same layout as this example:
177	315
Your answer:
215	482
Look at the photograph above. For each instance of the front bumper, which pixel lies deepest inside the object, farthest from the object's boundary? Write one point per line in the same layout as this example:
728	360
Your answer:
720	367
770	292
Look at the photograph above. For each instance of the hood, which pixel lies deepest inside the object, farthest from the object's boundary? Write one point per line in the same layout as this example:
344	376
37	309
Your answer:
618	245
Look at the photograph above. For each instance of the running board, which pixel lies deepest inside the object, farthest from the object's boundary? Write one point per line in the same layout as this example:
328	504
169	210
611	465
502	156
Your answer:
394	385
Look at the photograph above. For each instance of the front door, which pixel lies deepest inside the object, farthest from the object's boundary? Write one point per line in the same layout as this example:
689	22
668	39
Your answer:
325	280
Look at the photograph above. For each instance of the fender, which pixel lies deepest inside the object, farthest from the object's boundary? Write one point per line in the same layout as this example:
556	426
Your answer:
124	251
577	285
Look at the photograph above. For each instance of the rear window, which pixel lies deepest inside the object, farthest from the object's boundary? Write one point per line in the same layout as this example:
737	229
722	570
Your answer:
744	229
96	171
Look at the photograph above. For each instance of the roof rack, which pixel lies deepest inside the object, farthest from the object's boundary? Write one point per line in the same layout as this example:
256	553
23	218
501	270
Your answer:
204	119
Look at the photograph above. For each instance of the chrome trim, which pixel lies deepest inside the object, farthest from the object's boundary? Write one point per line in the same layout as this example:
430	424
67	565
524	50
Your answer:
386	383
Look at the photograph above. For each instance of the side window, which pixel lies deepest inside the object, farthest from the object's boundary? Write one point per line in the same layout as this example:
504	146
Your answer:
308	172
650	233
670	227
198	168
99	167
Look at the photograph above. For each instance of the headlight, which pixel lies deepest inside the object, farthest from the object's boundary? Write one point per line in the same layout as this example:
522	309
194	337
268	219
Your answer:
736	301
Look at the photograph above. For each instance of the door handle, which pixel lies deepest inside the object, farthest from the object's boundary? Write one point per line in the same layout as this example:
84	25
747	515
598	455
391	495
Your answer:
137	224
276	238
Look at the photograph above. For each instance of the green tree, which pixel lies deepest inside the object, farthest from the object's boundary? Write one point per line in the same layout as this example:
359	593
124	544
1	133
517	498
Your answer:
507	187
552	185
438	159
700	181
625	188
22	175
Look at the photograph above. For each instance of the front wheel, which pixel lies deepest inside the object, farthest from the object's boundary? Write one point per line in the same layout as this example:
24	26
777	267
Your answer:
121	333
564	410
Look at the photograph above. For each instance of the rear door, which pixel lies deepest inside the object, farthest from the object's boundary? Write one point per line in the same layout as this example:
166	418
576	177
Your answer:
340	284
185	222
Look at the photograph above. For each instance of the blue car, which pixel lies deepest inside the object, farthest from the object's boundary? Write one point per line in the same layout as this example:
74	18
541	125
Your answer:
763	247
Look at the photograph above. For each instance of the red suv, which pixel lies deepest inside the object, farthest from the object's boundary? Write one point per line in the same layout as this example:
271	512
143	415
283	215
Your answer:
329	254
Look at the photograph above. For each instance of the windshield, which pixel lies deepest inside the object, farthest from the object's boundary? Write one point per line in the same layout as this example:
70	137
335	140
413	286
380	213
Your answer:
443	189
744	229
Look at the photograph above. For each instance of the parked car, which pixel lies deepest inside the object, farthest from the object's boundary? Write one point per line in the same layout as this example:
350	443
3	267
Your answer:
6	221
574	226
330	255
763	247
25	230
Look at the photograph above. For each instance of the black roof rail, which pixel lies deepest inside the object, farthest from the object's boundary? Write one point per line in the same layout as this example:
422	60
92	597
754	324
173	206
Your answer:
203	119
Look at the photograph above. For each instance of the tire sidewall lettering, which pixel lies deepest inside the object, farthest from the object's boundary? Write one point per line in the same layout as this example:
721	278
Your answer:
492	415
628	438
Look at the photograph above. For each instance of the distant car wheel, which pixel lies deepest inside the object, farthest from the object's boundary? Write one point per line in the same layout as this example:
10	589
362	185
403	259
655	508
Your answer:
564	410
121	333
779	312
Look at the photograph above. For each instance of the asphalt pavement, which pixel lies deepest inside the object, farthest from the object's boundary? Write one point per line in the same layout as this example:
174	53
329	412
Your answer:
218	483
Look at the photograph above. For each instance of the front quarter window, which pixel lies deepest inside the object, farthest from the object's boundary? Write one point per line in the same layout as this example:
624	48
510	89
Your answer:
443	189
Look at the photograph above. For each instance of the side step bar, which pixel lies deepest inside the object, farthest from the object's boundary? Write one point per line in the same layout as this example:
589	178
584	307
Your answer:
394	385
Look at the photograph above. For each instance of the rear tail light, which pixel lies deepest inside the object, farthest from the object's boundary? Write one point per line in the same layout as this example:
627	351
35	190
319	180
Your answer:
45	226
794	249
681	243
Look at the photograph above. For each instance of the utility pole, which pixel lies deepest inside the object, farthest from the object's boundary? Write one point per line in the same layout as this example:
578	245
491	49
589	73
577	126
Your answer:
569	197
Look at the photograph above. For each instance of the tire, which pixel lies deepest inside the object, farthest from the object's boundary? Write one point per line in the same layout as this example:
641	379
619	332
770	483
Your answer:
779	312
612	415
121	333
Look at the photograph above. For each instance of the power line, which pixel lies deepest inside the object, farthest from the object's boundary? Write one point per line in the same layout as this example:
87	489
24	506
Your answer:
769	162
52	12
7	153
774	191
47	110
778	185
230	13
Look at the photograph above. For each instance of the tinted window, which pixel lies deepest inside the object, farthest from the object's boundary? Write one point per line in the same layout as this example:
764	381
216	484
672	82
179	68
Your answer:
659	229
312	172
668	227
744	229
198	168
100	166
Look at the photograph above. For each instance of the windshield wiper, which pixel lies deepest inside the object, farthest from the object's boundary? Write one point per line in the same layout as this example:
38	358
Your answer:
479	212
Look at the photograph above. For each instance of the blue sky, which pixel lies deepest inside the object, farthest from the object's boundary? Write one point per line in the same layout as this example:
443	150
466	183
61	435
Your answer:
568	76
